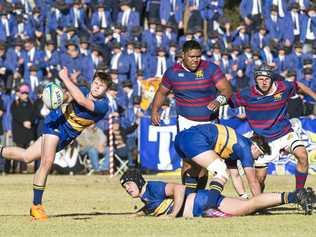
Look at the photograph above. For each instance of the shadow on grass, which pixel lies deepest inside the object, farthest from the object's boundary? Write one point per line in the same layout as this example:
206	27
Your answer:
80	216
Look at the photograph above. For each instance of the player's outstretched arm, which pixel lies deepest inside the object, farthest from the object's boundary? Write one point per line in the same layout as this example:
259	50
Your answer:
74	91
252	181
306	90
177	191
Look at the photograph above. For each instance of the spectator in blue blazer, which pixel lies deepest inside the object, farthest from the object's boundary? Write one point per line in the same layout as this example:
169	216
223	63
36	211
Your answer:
171	11
127	17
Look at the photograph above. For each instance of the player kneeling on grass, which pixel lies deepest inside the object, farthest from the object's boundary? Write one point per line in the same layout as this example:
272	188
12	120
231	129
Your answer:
172	200
61	127
209	145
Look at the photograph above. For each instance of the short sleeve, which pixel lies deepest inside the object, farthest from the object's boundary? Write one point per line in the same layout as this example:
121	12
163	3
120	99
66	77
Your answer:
218	75
166	82
101	106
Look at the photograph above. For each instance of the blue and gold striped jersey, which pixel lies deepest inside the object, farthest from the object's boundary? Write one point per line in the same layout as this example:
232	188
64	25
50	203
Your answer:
224	140
74	118
155	199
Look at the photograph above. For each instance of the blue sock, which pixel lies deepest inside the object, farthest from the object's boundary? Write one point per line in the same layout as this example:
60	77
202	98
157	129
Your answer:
288	197
190	183
38	194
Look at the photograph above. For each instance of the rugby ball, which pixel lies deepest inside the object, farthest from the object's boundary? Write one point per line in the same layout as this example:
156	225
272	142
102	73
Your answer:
53	96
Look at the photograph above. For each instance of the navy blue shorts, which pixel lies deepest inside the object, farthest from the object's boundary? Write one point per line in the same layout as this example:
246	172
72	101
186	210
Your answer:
190	143
204	200
55	124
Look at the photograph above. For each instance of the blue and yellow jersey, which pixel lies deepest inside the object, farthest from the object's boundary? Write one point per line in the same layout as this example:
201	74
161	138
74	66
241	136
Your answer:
70	120
78	118
224	140
155	199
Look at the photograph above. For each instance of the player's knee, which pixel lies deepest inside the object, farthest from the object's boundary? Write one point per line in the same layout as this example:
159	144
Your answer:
302	157
47	163
27	158
219	169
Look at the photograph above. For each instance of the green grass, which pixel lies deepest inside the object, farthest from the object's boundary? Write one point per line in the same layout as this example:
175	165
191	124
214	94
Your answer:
98	206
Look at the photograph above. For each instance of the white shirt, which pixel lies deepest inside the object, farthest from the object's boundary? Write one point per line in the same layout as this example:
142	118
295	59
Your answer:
33	82
138	60
112	103
295	19
5	23
103	19
173	7
77	17
161	66
280	7
48	54
115	60
256	7
269	58
31	54
125	17
309	34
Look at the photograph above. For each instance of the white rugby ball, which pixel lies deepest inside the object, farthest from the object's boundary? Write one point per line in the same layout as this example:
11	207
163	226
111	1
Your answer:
53	96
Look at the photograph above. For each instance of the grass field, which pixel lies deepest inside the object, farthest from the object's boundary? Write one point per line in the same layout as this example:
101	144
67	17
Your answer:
98	206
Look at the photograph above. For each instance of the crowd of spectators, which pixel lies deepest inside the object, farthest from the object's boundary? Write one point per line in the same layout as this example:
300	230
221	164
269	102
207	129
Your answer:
136	40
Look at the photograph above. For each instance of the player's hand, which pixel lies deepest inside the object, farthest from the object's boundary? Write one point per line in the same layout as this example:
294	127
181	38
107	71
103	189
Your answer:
74	76
27	124
155	118
63	74
214	105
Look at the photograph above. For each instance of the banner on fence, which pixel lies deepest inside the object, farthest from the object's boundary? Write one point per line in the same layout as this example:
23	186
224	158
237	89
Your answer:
157	151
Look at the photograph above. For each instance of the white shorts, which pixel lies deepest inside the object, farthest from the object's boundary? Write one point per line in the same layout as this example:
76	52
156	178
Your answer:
184	123
288	142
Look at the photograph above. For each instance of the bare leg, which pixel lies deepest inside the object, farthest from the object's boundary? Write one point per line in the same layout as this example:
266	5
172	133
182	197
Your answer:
261	174
49	144
238	207
33	152
193	175
300	154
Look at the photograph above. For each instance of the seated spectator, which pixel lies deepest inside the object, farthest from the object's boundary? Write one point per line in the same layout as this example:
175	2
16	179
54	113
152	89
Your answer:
92	143
67	161
119	140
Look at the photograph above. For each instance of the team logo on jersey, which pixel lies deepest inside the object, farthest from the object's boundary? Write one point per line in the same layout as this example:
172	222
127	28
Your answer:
199	74
277	96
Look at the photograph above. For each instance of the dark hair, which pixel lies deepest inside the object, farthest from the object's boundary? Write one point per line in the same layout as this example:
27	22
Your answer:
191	44
261	143
104	77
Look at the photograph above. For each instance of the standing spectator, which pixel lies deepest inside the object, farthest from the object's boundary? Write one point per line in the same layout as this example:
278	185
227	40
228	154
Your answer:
22	121
251	11
6	75
171	11
127	17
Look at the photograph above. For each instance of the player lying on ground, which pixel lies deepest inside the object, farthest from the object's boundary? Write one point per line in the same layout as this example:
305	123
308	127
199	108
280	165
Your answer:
172	200
60	128
208	145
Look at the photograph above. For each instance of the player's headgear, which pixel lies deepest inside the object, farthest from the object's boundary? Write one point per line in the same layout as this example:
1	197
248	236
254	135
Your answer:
264	70
261	143
135	176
